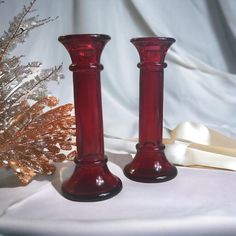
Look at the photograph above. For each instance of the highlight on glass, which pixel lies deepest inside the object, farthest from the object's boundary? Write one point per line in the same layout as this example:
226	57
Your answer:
91	180
150	163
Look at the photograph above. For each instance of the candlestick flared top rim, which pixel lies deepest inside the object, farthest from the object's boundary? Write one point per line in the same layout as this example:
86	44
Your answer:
153	40
83	37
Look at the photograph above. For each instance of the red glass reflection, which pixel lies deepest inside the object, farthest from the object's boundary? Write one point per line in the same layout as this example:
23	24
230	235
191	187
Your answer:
91	180
150	163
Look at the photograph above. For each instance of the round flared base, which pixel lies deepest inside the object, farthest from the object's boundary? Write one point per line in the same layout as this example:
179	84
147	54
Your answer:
91	182
150	166
138	175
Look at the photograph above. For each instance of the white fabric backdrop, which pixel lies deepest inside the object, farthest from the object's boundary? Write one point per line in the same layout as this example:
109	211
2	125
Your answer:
200	84
200	78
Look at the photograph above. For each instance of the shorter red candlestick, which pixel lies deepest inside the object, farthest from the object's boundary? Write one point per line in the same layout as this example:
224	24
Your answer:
150	163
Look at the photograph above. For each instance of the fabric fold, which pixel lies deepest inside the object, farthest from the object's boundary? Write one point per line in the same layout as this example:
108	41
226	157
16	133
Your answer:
190	144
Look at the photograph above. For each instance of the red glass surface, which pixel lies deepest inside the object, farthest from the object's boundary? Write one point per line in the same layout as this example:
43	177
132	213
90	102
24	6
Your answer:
150	163
91	180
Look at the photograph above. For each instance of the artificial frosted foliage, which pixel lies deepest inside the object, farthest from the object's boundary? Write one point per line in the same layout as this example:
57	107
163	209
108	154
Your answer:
34	130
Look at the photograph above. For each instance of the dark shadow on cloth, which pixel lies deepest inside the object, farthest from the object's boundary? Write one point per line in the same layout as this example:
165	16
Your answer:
119	159
223	32
139	19
9	180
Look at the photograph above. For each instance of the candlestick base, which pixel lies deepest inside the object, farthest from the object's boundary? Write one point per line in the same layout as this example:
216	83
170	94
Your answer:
150	165
91	181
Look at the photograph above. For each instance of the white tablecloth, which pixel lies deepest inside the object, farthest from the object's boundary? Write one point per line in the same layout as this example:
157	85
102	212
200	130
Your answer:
196	202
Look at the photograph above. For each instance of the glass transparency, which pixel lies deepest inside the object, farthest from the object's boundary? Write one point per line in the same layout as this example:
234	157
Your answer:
91	180
150	163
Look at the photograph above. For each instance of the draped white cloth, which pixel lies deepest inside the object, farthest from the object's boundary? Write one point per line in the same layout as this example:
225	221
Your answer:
199	108
190	144
196	202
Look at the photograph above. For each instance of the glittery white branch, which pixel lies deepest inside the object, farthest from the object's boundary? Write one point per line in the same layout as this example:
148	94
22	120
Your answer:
20	82
33	128
19	29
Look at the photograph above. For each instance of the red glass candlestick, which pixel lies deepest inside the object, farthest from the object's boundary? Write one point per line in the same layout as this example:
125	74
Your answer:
91	180
150	163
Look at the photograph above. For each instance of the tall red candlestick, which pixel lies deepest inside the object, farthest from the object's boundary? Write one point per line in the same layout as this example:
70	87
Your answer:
91	180
150	163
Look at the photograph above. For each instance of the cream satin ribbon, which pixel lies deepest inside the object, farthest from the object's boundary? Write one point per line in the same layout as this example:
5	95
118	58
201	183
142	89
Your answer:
192	144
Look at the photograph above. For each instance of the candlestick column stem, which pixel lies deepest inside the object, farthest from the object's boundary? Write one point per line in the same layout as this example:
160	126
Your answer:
150	163
91	179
